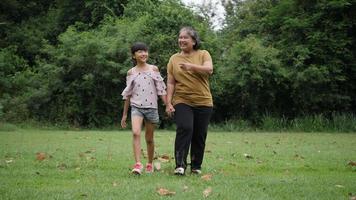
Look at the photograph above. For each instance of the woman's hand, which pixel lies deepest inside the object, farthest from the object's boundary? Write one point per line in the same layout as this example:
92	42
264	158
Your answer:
186	66
170	109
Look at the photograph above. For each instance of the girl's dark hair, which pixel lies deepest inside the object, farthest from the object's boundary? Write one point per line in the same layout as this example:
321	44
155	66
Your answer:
192	33
137	47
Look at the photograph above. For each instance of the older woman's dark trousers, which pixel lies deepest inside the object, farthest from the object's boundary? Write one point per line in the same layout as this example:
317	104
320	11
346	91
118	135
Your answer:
192	127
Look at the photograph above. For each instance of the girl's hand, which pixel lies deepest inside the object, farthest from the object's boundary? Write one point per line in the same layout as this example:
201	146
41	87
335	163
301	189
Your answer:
185	66
170	110
123	121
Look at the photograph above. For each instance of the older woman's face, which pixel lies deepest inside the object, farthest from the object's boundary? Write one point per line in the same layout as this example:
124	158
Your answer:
185	41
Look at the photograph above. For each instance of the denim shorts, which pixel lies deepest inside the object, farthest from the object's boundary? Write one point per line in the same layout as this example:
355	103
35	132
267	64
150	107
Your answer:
149	114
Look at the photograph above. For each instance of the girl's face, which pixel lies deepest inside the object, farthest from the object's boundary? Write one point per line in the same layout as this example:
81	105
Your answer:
185	41
141	56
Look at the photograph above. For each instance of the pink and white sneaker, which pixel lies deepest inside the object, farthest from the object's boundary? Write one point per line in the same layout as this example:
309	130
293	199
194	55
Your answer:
137	169
149	168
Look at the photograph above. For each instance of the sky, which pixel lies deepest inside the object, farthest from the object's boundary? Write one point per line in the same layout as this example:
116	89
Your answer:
217	20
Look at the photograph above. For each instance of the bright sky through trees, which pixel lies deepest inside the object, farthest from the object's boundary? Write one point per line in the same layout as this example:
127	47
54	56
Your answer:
217	20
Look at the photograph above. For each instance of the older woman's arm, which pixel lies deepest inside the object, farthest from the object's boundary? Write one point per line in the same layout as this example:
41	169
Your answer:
206	67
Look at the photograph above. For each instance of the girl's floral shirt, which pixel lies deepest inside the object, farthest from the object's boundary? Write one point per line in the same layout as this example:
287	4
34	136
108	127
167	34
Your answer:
143	88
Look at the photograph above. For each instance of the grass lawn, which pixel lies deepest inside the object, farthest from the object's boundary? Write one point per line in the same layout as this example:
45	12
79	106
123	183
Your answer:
97	164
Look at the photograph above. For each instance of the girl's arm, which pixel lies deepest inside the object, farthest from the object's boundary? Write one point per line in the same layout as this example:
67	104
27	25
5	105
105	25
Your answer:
171	82
164	99
124	114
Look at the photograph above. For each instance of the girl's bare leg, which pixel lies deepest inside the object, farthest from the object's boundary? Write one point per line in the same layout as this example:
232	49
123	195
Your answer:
136	122
150	141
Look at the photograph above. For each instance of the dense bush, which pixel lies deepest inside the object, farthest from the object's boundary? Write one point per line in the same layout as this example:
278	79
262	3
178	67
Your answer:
65	62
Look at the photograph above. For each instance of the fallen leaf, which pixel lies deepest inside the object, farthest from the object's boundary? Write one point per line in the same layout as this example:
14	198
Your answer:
353	198
207	177
114	184
248	156
62	166
298	156
207	192
40	156
185	188
157	165
164	158
165	192
351	163
339	186
9	161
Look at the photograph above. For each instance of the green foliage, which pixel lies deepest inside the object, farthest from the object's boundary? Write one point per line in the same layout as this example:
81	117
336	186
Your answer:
313	43
254	77
14	83
316	49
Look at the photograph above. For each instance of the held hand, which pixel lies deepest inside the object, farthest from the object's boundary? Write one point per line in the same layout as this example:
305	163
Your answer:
170	110
185	66
123	121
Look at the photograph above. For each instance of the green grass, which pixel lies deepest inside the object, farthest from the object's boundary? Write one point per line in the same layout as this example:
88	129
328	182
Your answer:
96	165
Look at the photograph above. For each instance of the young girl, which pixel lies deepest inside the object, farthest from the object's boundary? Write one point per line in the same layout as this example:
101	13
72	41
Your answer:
143	84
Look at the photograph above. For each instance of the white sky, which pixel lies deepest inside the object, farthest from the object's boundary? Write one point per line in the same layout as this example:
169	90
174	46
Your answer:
217	20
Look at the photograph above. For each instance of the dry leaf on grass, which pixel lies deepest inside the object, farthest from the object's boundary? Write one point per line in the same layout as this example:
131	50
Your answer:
259	161
9	161
248	156
185	188
353	198
207	177
298	156
114	184
62	166
165	192
164	158
41	156
351	163
339	186
207	192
